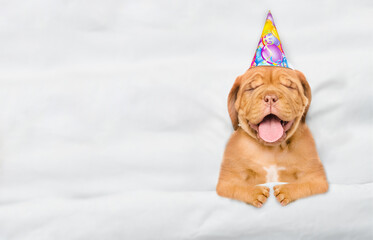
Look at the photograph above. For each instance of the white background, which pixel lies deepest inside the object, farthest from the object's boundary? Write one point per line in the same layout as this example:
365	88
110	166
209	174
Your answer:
114	121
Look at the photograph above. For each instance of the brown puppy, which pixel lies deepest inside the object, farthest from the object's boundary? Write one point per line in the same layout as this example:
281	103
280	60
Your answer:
271	142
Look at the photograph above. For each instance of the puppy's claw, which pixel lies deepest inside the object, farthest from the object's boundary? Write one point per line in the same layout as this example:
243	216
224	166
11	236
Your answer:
285	202
280	197
262	199
266	192
257	204
276	192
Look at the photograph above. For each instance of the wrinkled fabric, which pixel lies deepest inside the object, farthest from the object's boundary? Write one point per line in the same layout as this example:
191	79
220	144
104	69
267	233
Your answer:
114	120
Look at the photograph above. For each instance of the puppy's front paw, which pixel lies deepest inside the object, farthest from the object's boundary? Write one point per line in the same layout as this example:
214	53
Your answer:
259	196
283	194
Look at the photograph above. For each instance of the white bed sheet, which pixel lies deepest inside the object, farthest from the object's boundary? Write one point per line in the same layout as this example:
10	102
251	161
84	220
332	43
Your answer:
114	118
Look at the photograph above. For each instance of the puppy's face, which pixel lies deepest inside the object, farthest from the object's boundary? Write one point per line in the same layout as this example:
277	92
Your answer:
269	103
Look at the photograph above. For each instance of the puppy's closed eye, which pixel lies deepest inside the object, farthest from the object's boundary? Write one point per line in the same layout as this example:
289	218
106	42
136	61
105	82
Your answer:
252	87
290	85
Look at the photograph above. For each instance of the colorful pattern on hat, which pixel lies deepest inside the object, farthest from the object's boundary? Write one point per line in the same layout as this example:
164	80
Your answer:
269	51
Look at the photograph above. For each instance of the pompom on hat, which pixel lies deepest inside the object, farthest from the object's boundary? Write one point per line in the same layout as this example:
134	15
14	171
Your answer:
269	51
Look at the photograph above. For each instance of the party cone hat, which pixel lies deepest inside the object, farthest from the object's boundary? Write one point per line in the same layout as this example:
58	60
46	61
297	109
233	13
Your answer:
269	51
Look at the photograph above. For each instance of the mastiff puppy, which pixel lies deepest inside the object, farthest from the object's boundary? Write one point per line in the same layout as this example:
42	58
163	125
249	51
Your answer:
271	141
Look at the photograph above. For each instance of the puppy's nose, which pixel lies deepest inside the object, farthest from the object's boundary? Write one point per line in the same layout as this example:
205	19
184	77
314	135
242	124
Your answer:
270	99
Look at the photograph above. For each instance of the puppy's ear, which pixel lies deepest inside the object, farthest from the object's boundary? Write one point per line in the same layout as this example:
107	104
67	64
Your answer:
306	91
232	97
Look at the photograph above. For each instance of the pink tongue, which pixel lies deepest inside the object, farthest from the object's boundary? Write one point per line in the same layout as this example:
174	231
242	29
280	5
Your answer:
270	129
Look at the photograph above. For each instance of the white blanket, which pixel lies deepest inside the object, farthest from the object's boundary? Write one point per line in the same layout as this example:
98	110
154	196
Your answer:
114	121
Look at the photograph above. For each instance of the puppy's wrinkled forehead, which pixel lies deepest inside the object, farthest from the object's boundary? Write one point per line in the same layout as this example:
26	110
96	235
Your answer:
269	75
